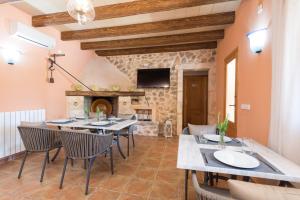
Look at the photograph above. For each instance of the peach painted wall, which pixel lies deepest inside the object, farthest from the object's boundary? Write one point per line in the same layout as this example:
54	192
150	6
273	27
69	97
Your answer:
254	71
24	86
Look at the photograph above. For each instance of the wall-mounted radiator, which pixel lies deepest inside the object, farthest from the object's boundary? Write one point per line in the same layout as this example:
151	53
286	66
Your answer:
10	141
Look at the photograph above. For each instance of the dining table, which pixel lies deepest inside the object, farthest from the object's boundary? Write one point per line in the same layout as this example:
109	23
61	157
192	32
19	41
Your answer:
115	126
196	154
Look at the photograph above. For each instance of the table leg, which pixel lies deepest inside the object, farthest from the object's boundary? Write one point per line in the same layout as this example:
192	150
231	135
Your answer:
118	144
246	178
285	184
186	178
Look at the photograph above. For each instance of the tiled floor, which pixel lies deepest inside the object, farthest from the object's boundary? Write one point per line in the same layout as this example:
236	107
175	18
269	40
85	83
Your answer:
149	173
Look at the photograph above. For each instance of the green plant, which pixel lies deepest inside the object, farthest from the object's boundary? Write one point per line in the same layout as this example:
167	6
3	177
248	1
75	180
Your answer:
98	111
222	126
86	111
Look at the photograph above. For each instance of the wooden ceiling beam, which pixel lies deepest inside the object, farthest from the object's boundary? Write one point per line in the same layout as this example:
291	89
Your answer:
8	1
152	27
156	41
122	10
158	49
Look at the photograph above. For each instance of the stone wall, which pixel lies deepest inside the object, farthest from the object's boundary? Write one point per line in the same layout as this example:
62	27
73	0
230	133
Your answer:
166	100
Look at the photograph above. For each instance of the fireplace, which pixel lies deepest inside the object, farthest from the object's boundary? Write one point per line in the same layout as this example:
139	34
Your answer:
109	105
77	101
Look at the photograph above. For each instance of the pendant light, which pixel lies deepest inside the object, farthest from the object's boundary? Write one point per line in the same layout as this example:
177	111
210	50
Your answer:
81	10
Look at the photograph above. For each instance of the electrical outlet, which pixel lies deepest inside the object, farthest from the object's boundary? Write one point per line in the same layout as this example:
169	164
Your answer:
245	106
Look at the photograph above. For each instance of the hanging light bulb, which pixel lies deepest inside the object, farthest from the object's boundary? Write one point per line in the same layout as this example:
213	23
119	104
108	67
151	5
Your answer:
81	10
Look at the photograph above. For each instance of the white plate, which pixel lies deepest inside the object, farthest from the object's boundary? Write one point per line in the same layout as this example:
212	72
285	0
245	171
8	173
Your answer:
60	121
101	123
216	138
114	118
236	159
80	117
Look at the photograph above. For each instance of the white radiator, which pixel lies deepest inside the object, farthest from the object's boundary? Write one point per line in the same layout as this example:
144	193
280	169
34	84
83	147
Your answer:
10	141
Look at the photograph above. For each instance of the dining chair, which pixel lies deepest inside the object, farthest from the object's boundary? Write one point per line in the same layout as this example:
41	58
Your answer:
36	139
129	132
248	191
205	192
85	146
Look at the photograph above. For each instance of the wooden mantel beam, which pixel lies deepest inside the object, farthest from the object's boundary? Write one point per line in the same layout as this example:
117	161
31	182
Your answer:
156	41
152	27
158	49
122	10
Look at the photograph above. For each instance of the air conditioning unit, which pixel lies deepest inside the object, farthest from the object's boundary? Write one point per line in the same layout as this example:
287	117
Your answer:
32	35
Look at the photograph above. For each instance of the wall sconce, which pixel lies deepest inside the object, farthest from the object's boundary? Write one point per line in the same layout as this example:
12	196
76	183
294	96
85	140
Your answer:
10	55
257	40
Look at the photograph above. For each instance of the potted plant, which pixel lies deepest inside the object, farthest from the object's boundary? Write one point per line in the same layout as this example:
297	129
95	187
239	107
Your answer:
222	128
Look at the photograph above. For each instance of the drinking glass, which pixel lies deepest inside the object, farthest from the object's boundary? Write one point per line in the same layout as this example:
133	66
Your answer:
244	146
250	146
201	137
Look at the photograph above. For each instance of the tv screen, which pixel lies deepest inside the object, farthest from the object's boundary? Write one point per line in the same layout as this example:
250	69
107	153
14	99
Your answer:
153	78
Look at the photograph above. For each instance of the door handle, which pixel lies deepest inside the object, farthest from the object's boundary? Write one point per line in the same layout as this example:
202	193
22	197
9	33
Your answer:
231	105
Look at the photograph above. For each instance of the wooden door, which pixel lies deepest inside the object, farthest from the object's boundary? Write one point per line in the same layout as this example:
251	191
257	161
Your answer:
231	92
195	99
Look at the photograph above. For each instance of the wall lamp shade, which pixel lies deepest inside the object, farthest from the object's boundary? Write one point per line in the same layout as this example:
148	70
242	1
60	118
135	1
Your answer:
10	55
257	40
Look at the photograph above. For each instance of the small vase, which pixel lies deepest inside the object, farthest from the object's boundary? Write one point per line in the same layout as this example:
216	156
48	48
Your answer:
221	142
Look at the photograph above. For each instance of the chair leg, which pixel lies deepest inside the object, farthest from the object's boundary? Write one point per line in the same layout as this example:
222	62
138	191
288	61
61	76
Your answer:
44	166
84	164
63	173
56	154
206	178
72	162
132	140
211	178
128	139
22	165
91	161
111	160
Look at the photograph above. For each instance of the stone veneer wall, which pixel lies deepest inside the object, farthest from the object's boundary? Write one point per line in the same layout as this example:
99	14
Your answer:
168	101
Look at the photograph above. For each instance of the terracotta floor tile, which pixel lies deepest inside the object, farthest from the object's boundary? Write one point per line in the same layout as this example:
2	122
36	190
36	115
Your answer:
168	164
138	187
104	194
151	162
115	183
146	173
126	169
164	191
170	176
130	197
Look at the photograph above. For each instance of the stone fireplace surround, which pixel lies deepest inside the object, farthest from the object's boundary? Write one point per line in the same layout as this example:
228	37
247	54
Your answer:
122	106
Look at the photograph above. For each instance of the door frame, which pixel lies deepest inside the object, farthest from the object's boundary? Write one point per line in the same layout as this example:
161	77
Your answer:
231	56
197	74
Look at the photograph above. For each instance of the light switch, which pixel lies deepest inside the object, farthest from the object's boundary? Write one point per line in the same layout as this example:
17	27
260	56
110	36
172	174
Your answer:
245	106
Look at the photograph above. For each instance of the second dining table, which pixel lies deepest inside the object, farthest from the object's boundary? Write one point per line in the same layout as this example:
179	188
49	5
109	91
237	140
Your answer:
193	154
115	126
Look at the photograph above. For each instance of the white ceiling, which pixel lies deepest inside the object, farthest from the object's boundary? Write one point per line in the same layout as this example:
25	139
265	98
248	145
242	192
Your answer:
36	7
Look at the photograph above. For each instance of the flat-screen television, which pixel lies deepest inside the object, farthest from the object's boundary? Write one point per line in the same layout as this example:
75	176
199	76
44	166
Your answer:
153	78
